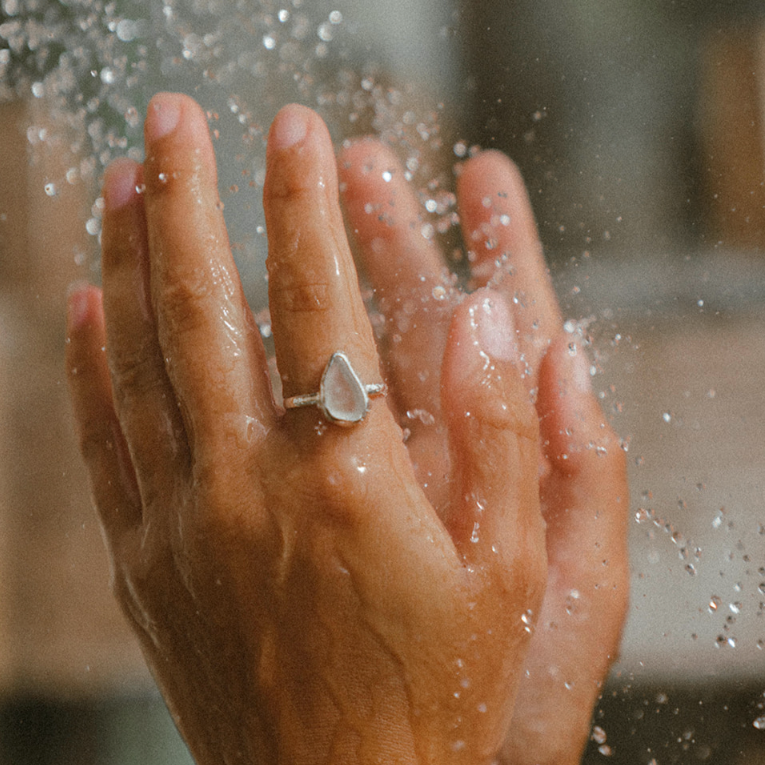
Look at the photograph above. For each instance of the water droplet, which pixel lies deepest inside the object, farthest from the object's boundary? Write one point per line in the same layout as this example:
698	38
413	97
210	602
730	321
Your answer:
50	189
284	15
598	735
269	42
132	117
714	603
325	32
572	601
439	292
335	17
759	723
162	177
387	176
423	415
667	417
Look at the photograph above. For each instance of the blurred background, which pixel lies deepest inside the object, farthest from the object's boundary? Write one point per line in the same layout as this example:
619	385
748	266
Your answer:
639	126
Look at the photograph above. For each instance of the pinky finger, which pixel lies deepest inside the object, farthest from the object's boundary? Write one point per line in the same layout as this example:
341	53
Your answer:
102	444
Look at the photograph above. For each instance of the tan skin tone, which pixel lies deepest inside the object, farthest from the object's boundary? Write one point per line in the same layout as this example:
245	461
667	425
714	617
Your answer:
306	593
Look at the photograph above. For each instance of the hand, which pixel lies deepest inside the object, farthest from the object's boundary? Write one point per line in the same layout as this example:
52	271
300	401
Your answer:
582	475
296	595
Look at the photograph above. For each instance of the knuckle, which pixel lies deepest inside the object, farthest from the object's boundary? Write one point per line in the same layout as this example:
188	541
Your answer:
135	370
183	303
303	296
294	186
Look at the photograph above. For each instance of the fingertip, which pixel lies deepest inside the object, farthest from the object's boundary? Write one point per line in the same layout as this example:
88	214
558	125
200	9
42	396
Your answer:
177	139
300	157
573	424
482	330
163	115
367	158
122	183
290	127
491	170
83	306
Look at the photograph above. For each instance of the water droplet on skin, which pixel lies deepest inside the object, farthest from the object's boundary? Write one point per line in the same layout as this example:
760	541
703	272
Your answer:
714	603
458	745
572	601
439	292
759	723
162	177
50	189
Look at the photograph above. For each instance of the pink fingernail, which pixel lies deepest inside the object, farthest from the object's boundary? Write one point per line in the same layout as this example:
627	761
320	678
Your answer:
120	182
78	304
289	128
495	328
163	115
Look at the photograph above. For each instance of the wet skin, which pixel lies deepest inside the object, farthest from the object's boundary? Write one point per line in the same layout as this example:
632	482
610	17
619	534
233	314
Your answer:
306	593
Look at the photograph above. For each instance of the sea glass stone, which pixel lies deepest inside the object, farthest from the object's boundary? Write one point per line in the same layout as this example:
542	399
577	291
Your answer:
343	396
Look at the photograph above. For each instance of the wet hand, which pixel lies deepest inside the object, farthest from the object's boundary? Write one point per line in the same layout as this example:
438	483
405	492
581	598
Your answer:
301	592
583	487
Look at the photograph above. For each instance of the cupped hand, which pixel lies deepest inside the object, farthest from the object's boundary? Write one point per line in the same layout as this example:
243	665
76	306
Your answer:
305	592
583	488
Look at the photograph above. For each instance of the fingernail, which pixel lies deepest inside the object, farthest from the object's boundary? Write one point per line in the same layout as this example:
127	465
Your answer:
120	181
580	367
163	115
77	304
495	328
289	128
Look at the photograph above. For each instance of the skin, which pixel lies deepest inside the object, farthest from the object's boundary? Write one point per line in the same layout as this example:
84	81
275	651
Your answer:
306	593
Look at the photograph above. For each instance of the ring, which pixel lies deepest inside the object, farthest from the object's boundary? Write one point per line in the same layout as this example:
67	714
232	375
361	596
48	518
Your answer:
342	397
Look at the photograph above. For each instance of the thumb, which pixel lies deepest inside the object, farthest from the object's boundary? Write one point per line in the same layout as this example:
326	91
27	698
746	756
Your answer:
493	438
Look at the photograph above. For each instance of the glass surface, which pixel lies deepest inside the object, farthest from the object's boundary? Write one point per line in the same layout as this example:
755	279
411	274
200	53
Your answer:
640	128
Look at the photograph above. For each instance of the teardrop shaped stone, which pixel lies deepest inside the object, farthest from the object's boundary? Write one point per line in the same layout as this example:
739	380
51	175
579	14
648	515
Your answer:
343	396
